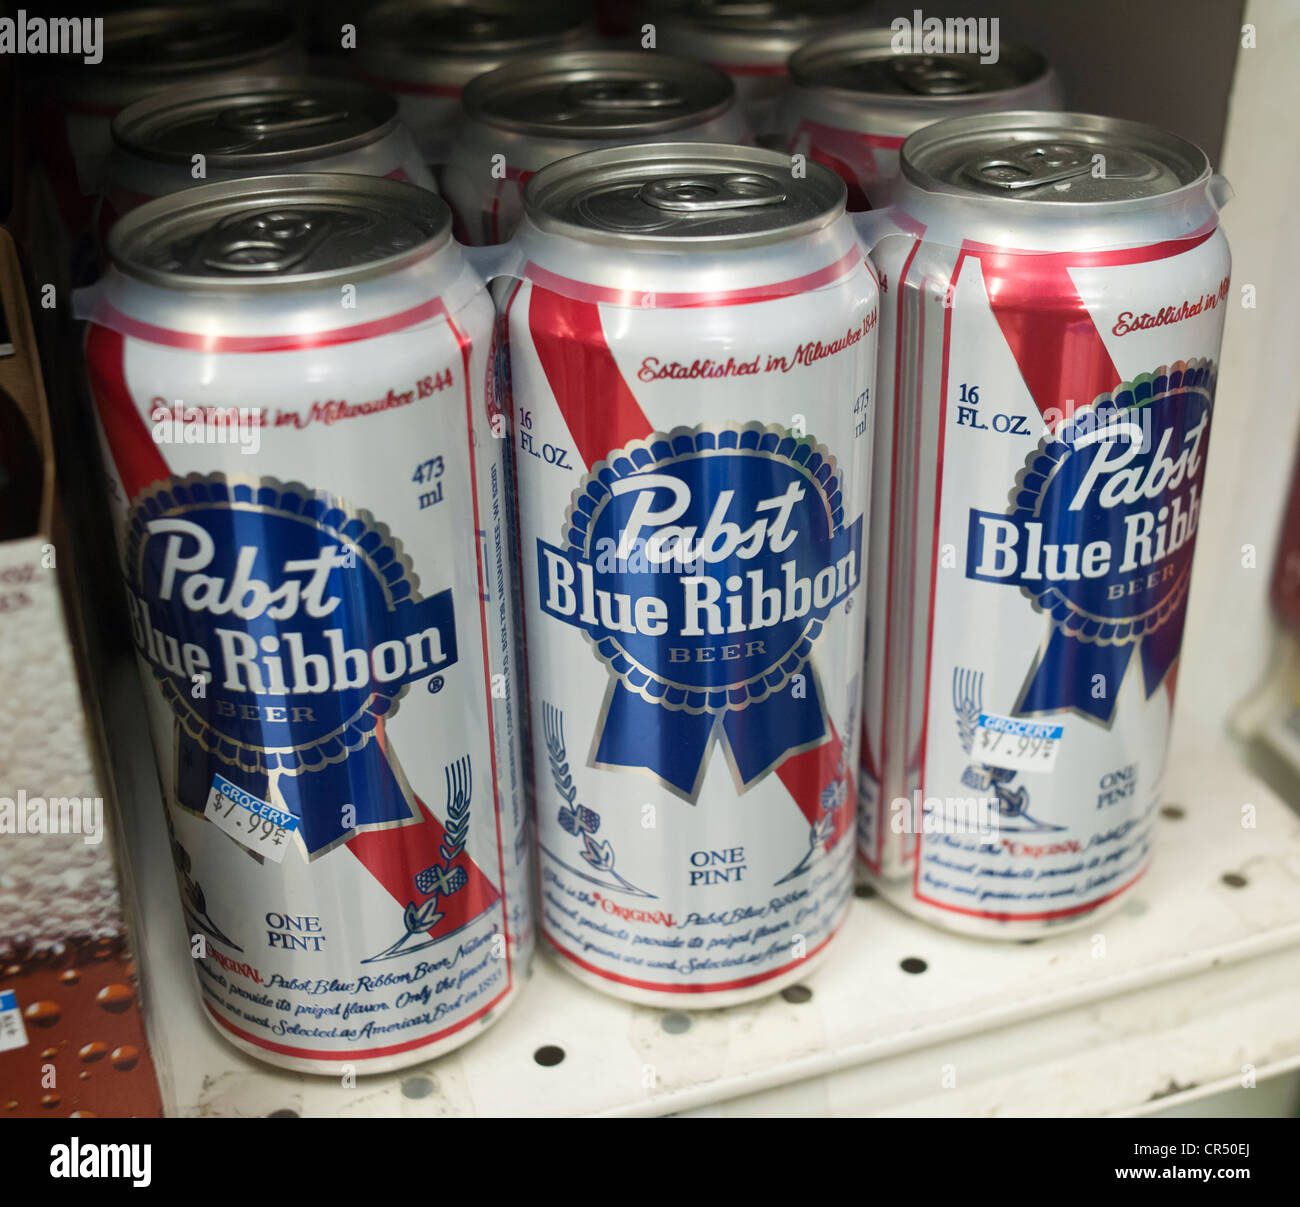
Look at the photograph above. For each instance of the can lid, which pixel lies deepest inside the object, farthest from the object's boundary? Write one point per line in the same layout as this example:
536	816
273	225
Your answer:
180	41
1051	157
255	121
683	196
865	62
598	94
435	28
279	231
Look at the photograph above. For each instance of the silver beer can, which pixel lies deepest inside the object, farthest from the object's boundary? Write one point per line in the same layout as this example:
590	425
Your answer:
292	381
536	110
1055	289
256	126
752	40
855	98
71	102
424	52
692	357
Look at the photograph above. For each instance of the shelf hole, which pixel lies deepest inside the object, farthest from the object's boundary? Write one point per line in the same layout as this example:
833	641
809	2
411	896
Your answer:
864	892
284	1113
549	1055
797	994
419	1086
675	1024
1234	880
1173	812
1135	909
913	964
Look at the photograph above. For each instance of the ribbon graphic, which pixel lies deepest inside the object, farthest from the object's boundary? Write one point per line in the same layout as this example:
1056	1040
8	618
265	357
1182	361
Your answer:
702	565
1124	436
569	339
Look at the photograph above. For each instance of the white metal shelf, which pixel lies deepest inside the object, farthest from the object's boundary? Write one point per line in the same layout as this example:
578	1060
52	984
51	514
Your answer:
1198	979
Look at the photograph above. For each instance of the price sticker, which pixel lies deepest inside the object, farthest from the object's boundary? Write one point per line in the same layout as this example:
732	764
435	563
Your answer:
12	1032
250	821
1016	744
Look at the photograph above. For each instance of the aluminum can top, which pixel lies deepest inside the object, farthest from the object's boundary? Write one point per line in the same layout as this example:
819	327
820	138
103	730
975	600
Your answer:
279	232
864	63
728	30
598	94
683	196
441	29
143	45
1052	159
255	121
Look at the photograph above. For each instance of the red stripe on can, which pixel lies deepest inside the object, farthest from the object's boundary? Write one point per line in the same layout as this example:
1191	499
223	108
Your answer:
640	299
269	343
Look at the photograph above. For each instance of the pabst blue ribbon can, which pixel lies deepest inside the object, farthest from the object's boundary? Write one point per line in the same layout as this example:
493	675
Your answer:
1055	288
541	108
425	51
692	348
856	97
292	382
70	101
752	42
231	129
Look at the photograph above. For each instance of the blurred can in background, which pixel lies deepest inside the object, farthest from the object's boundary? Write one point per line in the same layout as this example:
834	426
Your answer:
855	98
752	40
70	103
524	116
261	126
424	52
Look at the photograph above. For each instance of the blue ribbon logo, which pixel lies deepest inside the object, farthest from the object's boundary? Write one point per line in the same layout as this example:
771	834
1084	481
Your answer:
1101	534
281	629
702	564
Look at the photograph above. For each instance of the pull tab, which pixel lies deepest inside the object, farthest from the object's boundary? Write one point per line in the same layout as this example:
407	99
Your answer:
623	94
279	117
269	242
1031	166
703	193
933	75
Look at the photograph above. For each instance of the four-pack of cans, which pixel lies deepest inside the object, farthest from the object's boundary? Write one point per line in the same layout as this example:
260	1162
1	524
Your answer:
748	520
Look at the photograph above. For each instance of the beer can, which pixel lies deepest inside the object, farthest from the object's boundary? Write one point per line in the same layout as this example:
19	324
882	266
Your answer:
424	52
1055	292
855	99
692	350
72	102
236	128
290	375
752	42
536	110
